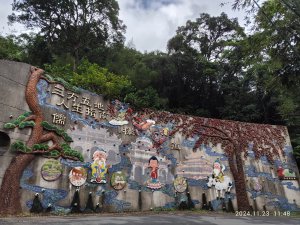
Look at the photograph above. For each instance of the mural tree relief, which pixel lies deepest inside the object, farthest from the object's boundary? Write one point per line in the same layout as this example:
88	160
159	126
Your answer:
37	144
235	139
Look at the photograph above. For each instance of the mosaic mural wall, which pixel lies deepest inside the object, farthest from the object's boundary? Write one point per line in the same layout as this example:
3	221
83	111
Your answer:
81	152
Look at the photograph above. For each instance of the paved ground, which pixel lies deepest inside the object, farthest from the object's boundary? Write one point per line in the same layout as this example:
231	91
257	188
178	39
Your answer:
179	219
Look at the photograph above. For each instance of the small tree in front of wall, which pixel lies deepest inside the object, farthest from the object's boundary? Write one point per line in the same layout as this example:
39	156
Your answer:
37	144
235	138
36	205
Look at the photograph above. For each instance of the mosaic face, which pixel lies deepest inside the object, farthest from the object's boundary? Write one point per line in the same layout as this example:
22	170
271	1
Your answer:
78	176
180	184
51	170
118	180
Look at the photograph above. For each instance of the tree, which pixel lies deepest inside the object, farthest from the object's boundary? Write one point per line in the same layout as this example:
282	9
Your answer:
197	52
98	79
37	49
73	27
42	132
11	49
277	44
235	139
208	36
147	98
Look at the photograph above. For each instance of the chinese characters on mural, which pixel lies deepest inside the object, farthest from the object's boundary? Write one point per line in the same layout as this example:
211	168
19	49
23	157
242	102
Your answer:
58	119
79	104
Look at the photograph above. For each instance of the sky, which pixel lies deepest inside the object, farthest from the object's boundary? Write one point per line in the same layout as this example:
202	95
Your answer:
150	23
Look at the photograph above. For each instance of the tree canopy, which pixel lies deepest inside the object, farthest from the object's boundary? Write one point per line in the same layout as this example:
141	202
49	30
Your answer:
74	27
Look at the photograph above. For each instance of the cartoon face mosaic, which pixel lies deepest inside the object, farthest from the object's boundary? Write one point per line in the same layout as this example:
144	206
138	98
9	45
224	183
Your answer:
118	180
180	184
78	176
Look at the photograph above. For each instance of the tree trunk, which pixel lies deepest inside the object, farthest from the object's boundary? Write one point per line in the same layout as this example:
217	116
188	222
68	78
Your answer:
236	167
10	187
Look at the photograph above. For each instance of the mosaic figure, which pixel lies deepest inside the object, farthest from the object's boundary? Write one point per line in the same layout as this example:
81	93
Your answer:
121	111
118	180
286	174
218	171
153	183
51	170
78	176
256	184
220	187
180	184
98	167
220	182
141	123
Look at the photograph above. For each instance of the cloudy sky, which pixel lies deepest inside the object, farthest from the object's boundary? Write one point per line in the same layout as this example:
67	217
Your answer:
150	23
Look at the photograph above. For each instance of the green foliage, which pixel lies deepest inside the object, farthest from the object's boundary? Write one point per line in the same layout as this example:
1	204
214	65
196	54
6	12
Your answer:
74	27
26	124
20	147
19	122
10	49
9	126
57	130
48	126
92	77
67	85
147	98
37	49
52	154
69	152
58	78
40	147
